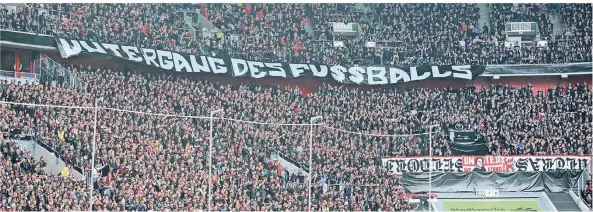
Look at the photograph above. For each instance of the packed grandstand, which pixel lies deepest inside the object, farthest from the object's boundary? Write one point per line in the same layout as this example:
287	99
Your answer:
154	146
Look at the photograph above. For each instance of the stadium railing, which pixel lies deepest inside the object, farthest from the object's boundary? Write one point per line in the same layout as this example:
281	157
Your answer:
54	70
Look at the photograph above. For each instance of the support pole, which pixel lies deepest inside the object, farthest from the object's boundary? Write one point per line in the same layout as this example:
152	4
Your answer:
94	152
210	157
430	164
312	121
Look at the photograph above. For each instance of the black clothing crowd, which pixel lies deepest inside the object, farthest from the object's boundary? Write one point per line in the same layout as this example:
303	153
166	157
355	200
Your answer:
145	159
155	162
404	34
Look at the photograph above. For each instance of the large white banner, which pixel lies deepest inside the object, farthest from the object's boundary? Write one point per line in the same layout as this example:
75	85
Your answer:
515	163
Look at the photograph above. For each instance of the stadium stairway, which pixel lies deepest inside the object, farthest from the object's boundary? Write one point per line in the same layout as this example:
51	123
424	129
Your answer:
310	25
290	166
203	22
556	19
54	164
563	201
364	8
484	16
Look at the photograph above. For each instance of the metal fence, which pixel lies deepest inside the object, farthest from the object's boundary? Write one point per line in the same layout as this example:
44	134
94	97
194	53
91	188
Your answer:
20	75
53	71
582	182
43	20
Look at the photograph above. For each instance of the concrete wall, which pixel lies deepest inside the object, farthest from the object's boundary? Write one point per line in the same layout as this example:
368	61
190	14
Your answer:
54	164
292	168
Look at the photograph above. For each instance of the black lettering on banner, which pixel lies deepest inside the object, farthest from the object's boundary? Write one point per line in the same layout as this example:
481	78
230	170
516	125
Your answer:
413	165
394	166
385	164
401	166
425	164
183	62
446	164
422	165
571	163
437	164
451	165
555	163
521	164
440	165
579	164
534	163
459	165
548	163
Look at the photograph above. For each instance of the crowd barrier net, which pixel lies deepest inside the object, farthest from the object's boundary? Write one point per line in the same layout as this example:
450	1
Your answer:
152	161
351	170
248	171
46	147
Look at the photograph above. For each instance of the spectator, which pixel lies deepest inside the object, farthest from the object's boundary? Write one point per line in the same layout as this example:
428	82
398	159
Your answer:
144	142
150	162
414	34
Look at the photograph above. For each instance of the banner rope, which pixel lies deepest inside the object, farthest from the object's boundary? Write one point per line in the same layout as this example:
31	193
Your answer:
155	114
375	135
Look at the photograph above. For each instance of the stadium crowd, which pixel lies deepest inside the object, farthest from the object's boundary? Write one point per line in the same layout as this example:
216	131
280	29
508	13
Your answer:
403	33
586	193
263	31
25	187
152	162
143	158
503	13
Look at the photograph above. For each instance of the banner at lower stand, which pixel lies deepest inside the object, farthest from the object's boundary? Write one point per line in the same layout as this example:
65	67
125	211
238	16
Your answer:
486	163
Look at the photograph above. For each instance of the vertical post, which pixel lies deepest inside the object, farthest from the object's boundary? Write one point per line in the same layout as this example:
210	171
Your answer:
312	120
210	157
430	164
95	108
